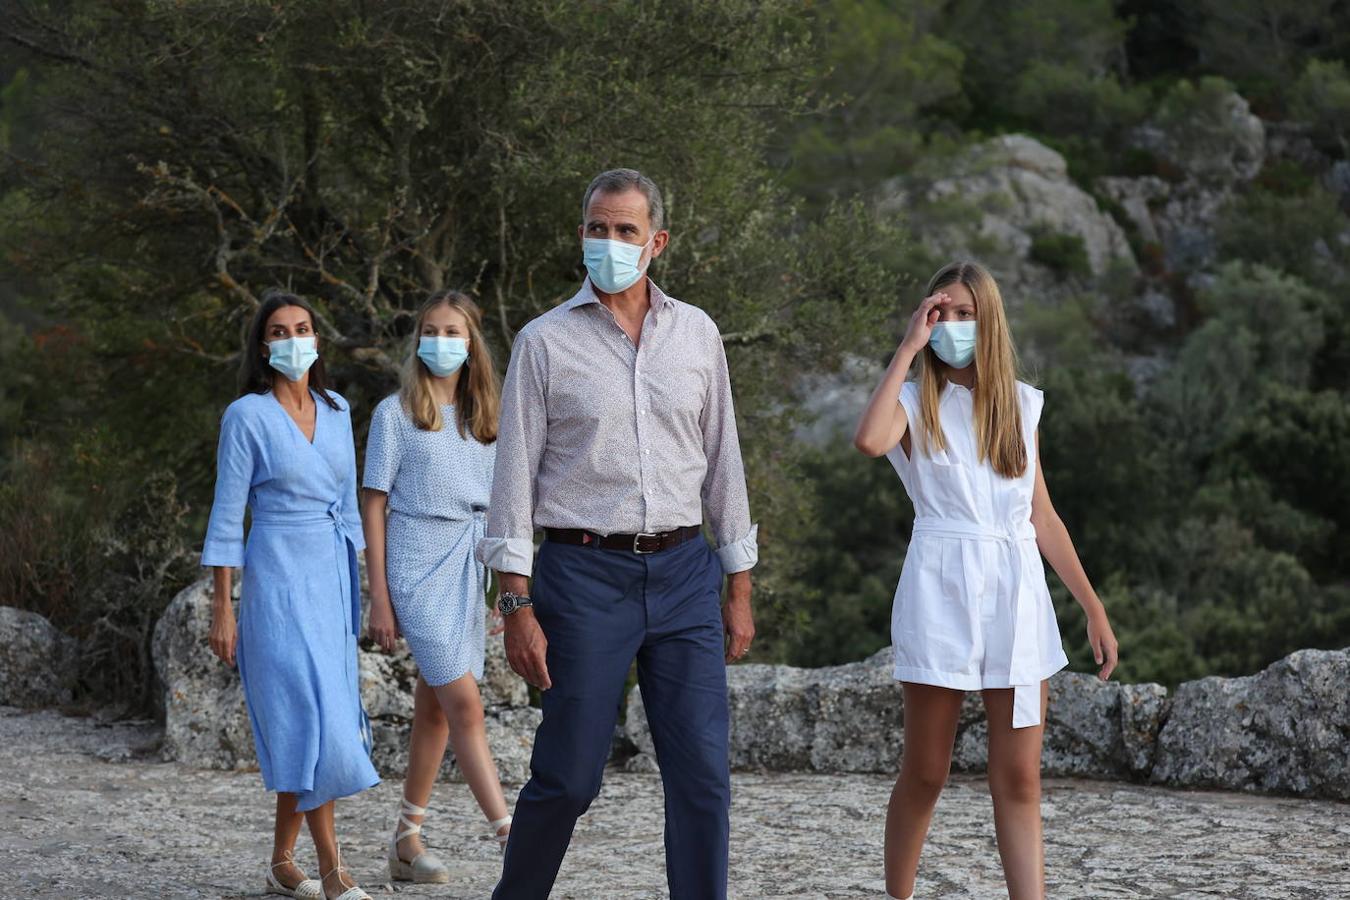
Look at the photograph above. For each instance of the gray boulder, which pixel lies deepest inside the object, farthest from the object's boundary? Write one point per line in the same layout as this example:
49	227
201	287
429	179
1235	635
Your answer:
849	718
37	662
833	719
1093	728
1285	729
206	722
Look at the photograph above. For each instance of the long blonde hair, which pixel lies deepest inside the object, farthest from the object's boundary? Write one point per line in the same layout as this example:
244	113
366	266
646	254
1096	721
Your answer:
478	396
998	414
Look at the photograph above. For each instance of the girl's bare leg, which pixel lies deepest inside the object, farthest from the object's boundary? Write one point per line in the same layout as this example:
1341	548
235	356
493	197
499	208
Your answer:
463	707
931	715
1015	783
426	750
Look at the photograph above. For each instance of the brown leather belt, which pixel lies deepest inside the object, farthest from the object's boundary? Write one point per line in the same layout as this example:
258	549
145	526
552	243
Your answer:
634	543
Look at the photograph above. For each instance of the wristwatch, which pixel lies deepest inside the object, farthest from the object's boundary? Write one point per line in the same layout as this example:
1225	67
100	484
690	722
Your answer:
508	602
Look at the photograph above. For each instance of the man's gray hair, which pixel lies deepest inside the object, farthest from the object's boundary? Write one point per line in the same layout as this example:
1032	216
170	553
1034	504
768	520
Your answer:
617	181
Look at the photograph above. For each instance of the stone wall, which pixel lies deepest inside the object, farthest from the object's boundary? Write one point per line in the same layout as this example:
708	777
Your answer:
206	724
1284	730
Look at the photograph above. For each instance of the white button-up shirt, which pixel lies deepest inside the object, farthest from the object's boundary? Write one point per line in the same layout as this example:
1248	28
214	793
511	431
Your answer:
599	434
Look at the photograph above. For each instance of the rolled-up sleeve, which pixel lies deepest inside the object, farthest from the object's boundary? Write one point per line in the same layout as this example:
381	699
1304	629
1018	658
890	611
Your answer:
509	542
224	544
724	494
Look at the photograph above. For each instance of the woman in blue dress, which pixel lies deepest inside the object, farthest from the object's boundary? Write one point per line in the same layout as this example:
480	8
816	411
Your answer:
428	474
286	453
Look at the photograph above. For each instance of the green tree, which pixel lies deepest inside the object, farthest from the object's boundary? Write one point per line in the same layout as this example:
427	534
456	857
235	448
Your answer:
183	159
882	75
1322	99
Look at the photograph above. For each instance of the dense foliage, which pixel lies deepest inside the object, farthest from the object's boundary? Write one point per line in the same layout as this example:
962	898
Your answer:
163	163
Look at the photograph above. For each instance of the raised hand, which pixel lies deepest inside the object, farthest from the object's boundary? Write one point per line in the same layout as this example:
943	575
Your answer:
922	322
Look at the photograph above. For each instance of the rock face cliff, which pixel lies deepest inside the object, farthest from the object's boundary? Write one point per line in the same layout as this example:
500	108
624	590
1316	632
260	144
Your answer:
1004	202
206	724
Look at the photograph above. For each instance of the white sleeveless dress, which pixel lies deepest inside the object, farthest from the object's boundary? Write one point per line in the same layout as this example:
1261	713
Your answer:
972	610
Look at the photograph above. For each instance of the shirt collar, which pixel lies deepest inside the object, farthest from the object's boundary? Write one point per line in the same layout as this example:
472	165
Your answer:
951	388
586	295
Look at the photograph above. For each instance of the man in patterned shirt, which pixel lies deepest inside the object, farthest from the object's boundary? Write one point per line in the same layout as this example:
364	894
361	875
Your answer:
617	437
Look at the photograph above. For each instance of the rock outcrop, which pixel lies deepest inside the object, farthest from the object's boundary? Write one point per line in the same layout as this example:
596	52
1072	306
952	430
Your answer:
999	201
206	723
1208	156
1285	729
849	719
833	719
1093	728
37	662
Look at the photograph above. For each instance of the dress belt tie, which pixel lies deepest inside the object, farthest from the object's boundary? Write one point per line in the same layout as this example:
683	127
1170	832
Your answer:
345	549
1023	673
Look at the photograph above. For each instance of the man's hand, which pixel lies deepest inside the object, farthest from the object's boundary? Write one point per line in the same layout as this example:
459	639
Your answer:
527	648
737	618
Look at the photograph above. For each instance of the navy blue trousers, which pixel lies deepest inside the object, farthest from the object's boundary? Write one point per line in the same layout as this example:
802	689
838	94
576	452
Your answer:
599	610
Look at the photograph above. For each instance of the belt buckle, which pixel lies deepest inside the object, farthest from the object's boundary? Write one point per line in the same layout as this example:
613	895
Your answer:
638	537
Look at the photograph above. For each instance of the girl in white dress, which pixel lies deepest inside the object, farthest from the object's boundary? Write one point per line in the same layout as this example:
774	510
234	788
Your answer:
972	611
428	475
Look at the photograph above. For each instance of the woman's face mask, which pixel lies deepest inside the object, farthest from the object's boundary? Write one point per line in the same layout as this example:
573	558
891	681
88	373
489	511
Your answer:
292	356
954	343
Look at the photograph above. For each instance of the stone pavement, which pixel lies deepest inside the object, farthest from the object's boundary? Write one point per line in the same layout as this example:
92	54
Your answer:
87	810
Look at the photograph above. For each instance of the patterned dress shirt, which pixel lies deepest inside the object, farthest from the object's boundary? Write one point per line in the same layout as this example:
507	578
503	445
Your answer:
616	439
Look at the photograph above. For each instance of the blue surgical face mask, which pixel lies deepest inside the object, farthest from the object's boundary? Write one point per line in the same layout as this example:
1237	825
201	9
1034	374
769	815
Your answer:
293	356
954	343
613	265
443	355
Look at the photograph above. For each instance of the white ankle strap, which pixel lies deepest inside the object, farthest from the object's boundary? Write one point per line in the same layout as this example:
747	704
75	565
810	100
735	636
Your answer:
407	826
496	825
412	808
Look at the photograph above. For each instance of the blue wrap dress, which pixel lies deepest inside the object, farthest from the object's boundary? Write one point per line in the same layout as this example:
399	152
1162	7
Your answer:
438	484
300	606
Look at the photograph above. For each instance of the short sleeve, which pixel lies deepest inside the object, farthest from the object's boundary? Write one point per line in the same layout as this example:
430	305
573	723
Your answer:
384	446
1033	401
909	399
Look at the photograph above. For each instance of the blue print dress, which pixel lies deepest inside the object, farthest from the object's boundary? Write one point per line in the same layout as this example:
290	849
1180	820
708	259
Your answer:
438	485
300	607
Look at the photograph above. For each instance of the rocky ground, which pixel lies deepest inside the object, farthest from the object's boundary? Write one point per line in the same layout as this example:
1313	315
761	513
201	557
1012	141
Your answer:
88	810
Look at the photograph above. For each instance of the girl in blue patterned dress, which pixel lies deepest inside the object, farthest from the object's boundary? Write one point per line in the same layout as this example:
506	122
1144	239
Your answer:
428	474
286	454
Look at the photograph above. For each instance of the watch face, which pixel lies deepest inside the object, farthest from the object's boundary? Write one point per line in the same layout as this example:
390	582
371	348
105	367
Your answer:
506	604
